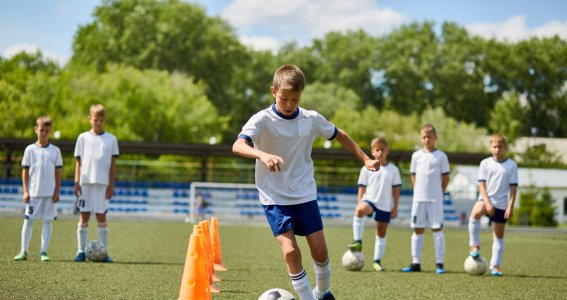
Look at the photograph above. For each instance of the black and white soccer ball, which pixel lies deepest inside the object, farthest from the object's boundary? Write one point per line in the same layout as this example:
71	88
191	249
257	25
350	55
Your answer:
353	260
476	266
276	294
95	251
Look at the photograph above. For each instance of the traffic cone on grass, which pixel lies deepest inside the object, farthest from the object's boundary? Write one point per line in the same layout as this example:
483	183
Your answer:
215	241
206	228
194	283
198	229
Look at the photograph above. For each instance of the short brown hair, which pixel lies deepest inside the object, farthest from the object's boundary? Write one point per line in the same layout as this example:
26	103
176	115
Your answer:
497	138
379	140
429	128
44	121
97	110
289	77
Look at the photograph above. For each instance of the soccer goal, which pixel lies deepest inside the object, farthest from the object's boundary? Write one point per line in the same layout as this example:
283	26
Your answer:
235	201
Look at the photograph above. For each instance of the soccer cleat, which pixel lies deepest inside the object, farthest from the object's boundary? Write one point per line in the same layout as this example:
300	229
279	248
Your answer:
440	269
412	268
107	259
80	257
326	296
43	256
495	272
21	256
475	252
355	246
377	266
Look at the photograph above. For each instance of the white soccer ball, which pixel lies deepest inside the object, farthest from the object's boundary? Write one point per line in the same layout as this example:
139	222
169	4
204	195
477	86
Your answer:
95	251
275	294
476	266
353	260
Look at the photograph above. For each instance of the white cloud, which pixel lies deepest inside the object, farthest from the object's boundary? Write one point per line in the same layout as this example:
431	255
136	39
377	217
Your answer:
10	51
515	29
261	43
303	20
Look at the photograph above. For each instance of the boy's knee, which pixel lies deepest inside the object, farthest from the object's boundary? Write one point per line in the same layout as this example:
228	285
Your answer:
291	253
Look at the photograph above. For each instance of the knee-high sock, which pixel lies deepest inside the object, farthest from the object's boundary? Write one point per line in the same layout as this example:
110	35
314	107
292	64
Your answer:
474	232
439	240
300	283
357	228
82	235
416	247
26	233
45	235
497	252
322	276
379	248
103	234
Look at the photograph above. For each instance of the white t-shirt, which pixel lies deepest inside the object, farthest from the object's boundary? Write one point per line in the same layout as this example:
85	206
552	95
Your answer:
292	139
42	162
498	176
429	168
379	185
95	152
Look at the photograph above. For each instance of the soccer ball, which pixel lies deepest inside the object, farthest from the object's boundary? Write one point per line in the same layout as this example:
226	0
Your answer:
95	251
353	261
476	266
275	294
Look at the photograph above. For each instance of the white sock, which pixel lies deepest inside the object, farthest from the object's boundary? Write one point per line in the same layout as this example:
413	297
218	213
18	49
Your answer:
103	234
45	235
416	247
497	251
357	228
474	232
322	276
26	233
301	285
379	248
82	235
439	241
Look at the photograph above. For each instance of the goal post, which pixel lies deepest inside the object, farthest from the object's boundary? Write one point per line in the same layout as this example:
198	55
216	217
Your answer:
227	199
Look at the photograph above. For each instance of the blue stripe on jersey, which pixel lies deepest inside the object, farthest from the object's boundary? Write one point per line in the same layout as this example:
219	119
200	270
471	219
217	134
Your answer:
334	134
247	138
58	167
397	185
482	180
446	173
293	116
513	184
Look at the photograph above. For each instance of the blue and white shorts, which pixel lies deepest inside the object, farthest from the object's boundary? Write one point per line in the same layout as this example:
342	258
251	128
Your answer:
303	218
41	208
379	215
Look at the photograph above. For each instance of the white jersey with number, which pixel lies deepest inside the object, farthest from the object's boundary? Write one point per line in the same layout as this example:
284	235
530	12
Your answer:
42	162
379	185
95	152
498	176
290	137
429	168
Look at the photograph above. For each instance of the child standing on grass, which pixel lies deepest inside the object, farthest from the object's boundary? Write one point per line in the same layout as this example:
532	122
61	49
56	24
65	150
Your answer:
498	182
41	181
283	136
430	175
95	169
378	195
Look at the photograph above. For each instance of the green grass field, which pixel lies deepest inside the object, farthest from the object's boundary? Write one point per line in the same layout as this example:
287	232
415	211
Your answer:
149	258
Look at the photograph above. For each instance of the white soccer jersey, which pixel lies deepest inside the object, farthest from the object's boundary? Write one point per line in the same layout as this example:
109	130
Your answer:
42	162
290	137
429	168
95	152
498	176
379	185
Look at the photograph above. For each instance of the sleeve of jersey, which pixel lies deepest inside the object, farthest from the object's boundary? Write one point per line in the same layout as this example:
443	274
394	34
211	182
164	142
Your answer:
78	147
59	160
445	167
115	150
252	129
482	172
362	180
26	163
325	129
413	162
514	177
397	178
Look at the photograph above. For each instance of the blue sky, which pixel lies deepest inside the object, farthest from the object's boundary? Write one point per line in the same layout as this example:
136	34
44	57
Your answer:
49	25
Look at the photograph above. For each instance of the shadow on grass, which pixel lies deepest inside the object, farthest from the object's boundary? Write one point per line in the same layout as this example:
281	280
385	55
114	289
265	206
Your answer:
124	263
510	275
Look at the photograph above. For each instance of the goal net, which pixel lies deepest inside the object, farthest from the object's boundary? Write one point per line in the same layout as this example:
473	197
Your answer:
235	201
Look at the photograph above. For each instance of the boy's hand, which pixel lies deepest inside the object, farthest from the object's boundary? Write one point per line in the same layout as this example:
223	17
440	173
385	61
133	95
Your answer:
109	192
394	213
78	191
26	197
508	213
372	164
489	209
273	162
55	197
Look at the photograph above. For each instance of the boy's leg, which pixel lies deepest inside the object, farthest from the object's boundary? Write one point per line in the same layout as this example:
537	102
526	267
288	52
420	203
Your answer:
82	235
439	241
292	257
497	248
26	237
417	245
46	235
362	209
474	228
102	229
322	267
380	245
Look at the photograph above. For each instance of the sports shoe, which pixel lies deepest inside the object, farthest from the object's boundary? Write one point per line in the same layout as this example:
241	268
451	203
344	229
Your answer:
412	268
495	272
43	256
440	269
326	296
475	252
107	259
355	246
80	257
21	256
377	266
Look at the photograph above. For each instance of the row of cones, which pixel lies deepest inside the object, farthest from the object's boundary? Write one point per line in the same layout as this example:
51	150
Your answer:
202	260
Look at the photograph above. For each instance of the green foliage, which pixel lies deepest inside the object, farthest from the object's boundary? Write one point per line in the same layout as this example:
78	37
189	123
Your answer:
536	209
507	116
538	156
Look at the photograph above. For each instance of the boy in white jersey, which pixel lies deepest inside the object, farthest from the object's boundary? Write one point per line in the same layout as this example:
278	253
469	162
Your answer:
498	182
378	194
283	136
430	175
41	181
95	169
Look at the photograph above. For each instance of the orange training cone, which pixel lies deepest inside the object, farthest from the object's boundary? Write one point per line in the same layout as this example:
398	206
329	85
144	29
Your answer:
206	228
215	241
194	283
199	230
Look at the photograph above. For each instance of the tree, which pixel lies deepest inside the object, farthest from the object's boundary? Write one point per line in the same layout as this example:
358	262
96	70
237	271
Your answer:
507	117
533	211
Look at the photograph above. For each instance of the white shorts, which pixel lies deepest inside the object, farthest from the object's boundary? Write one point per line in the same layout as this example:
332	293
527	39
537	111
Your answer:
93	199
427	214
41	208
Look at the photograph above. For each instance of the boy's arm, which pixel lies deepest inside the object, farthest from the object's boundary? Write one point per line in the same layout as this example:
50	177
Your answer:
111	176
445	182
78	177
352	147
242	148
485	200
413	179
510	211
57	185
25	184
361	191
396	191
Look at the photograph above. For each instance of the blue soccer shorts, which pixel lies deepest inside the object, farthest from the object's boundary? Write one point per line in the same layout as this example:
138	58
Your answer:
303	218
